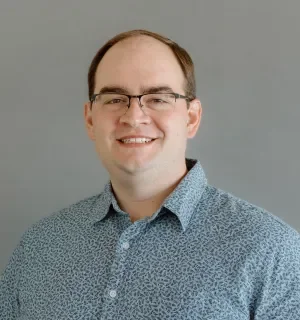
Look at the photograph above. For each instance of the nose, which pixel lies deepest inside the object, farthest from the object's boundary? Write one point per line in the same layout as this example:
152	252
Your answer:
135	114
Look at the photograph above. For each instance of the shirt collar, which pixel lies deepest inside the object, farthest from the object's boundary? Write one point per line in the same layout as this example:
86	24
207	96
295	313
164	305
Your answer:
181	202
184	199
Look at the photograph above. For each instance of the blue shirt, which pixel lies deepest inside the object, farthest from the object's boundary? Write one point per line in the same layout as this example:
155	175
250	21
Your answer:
204	254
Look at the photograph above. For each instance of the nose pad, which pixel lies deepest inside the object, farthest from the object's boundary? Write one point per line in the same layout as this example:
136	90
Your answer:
139	103
134	118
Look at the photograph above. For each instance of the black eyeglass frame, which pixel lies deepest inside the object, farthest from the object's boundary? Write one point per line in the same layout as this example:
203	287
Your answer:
176	95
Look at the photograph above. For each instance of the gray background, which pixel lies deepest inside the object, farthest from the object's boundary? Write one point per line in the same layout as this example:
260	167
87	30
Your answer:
246	54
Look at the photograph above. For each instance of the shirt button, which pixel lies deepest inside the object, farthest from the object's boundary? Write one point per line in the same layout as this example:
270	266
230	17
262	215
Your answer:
113	293
125	245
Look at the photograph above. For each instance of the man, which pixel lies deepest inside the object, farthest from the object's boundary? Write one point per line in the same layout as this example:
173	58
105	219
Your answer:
158	242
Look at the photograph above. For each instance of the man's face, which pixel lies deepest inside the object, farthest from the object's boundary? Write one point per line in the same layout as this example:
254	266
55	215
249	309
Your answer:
135	65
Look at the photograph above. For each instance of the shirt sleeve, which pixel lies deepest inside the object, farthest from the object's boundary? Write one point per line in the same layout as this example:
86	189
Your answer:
280	292
9	280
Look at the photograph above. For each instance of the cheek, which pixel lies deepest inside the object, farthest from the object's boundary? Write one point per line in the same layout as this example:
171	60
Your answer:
173	127
104	128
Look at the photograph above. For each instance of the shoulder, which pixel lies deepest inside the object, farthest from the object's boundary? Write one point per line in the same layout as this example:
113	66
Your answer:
239	218
68	219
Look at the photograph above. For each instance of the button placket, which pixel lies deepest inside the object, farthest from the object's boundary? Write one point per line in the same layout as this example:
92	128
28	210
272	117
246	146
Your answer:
125	245
113	293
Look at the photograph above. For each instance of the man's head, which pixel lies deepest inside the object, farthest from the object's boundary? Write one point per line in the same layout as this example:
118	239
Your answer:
135	63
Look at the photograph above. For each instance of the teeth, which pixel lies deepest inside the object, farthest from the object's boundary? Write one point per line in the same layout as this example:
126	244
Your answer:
136	140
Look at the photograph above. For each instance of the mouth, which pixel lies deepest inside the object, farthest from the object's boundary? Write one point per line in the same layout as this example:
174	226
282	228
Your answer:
136	142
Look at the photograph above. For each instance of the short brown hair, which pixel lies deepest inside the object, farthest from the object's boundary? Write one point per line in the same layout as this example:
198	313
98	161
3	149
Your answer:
181	54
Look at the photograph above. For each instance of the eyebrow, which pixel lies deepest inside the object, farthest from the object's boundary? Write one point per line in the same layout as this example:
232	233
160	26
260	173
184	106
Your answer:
123	90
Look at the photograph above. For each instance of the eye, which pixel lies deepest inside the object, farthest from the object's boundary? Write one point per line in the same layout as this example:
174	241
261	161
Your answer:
158	101
115	101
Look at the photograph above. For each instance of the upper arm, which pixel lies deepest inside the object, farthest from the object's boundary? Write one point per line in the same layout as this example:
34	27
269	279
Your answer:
279	297
9	281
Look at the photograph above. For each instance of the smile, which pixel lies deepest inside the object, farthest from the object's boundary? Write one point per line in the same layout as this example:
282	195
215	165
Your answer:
136	140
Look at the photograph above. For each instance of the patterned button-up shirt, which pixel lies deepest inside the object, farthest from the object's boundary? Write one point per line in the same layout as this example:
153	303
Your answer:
205	254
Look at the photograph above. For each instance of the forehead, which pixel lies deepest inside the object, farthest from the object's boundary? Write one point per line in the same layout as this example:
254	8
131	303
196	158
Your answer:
139	62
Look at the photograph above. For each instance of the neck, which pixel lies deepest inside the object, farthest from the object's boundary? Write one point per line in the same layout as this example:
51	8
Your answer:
142	195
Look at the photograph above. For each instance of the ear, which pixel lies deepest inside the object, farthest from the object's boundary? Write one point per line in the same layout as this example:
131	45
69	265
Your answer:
89	125
194	117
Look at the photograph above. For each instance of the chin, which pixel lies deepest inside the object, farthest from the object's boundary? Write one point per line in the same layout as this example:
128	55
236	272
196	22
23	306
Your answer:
133	166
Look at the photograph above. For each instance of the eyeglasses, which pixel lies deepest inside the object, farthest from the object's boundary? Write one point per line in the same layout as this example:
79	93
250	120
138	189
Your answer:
157	102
